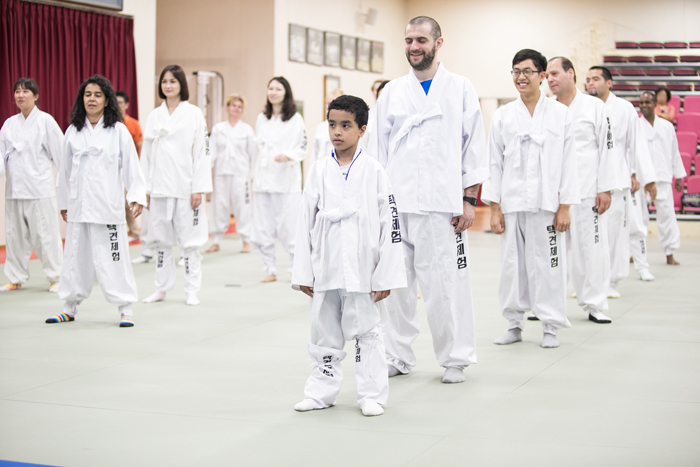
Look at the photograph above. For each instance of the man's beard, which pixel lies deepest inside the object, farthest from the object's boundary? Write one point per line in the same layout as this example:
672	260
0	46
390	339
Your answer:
593	92
425	63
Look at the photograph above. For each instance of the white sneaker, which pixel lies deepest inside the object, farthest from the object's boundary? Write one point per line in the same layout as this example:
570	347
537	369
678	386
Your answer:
645	275
142	259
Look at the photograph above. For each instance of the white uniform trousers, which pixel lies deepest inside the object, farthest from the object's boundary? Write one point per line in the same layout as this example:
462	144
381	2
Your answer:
337	316
173	222
533	270
144	236
274	218
438	259
590	255
617	220
639	227
231	195
669	234
32	223
97	251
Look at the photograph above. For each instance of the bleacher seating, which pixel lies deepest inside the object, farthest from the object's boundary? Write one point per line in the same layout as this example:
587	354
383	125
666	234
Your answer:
694	45
690	58
677	197
632	72
675	45
626	45
692	104
689	121
666	58
675	102
687	161
687	142
651	45
640	59
658	71
693	187
685	72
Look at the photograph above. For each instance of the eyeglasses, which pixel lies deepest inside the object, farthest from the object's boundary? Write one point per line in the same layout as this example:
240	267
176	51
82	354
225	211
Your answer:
527	72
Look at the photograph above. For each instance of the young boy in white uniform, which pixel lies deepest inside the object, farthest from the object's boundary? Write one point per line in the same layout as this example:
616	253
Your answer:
533	182
99	162
663	147
634	168
597	175
31	143
348	257
429	136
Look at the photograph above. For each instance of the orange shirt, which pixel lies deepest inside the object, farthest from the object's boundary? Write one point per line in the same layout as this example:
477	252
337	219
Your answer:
134	128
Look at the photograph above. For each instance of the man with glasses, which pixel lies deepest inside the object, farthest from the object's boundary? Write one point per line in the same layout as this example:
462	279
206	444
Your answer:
533	183
429	135
624	218
597	176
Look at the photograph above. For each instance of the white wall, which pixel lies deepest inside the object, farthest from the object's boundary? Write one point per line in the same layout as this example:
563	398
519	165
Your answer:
341	17
144	13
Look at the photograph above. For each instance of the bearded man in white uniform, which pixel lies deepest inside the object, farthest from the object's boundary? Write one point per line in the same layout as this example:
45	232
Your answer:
663	147
533	183
597	175
31	144
634	168
429	135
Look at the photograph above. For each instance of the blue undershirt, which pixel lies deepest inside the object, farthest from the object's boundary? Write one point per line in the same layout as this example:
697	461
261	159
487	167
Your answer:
426	85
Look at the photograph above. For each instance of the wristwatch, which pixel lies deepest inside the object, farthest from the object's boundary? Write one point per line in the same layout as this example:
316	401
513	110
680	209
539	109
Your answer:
469	200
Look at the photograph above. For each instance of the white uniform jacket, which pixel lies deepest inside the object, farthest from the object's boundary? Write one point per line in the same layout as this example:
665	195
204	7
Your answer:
628	142
175	154
275	137
663	147
348	236
98	164
232	148
432	146
532	159
593	143
29	147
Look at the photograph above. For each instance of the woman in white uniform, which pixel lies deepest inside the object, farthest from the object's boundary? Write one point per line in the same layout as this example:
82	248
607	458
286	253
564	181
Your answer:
99	162
281	138
232	145
322	145
176	162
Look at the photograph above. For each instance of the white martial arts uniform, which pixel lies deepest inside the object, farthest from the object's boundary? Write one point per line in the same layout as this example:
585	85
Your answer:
663	147
364	141
277	186
233	152
597	173
638	208
533	171
98	164
433	147
176	162
30	149
348	245
322	145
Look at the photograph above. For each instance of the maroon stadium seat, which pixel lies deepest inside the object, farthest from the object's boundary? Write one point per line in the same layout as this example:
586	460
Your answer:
632	71
675	102
640	59
677	197
658	72
684	87
635	102
691	104
690	58
614	71
675	45
687	142
689	121
626	45
649	87
685	72
694	45
624	87
687	159
651	45
665	58
614	59
693	184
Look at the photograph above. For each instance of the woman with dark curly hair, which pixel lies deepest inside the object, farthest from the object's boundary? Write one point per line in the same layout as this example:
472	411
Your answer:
281	137
99	162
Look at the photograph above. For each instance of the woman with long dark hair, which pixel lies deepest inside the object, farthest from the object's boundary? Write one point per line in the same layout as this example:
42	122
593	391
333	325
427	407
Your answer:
99	162
176	160
281	137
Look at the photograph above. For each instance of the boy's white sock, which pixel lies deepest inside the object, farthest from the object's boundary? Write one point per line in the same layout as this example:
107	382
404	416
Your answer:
156	296
512	336
371	409
549	341
454	375
192	299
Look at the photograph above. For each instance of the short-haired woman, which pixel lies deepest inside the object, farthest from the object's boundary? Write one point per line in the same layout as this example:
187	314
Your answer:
281	137
177	165
232	145
99	162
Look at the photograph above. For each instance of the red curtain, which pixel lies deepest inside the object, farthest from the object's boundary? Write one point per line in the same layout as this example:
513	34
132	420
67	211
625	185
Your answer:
59	48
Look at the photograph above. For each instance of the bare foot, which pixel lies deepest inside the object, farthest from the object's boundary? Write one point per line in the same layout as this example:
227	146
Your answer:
270	278
246	247
213	248
672	261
